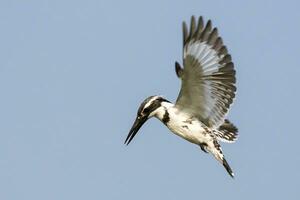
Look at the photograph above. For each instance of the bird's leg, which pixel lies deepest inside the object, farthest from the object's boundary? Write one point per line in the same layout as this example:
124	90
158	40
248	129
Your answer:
203	147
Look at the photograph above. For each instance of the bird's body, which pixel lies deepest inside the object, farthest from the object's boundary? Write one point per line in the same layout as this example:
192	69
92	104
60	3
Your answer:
207	91
182	124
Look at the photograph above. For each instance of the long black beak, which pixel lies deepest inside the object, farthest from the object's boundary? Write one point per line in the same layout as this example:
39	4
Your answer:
138	123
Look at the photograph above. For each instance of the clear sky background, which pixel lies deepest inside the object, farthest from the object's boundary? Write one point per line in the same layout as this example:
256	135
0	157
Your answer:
73	73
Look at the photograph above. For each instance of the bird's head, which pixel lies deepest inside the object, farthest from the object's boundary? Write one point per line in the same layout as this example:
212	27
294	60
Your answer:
146	110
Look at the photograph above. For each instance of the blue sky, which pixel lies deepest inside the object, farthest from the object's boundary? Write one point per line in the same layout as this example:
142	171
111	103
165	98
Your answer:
73	73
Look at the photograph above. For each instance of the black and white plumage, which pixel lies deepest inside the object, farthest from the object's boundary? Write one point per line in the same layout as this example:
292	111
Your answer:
207	91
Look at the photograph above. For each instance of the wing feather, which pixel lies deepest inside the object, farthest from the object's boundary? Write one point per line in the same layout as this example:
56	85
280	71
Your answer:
208	77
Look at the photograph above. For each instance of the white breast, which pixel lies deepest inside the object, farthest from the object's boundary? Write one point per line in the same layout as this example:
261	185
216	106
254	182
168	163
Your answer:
184	125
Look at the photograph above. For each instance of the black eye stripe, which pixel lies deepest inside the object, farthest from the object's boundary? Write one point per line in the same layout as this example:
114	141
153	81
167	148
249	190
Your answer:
146	110
154	105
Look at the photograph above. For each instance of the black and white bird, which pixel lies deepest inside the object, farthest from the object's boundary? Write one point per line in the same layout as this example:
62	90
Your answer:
207	91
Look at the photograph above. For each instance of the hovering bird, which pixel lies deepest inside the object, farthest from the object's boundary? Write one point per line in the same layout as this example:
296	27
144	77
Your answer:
207	91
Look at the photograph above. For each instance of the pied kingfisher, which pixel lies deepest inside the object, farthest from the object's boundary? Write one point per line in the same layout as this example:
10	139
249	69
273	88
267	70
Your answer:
207	91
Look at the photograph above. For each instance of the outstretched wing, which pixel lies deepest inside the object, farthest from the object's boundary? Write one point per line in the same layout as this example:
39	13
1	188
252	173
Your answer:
208	77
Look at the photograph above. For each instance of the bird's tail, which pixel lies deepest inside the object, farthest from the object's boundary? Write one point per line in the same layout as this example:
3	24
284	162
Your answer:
218	154
227	167
227	132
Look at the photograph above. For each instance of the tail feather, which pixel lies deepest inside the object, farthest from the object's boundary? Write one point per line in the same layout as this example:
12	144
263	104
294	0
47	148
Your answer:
227	132
227	167
218	154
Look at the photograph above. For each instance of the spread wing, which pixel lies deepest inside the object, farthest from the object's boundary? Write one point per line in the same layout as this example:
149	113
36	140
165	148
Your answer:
208	77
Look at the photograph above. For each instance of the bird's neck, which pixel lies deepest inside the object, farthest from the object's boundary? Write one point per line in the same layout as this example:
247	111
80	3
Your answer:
162	113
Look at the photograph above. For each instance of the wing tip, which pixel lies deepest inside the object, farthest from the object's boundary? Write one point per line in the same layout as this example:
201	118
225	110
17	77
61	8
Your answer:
178	70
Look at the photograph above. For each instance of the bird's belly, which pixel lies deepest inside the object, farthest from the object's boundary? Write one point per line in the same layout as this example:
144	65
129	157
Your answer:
192	132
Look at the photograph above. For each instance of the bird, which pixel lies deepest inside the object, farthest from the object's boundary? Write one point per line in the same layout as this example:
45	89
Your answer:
208	88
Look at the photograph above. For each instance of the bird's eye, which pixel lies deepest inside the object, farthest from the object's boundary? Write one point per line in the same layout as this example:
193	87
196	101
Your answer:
146	110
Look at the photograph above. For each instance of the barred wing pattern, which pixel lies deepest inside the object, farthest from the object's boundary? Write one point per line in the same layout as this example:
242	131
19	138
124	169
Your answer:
208	77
